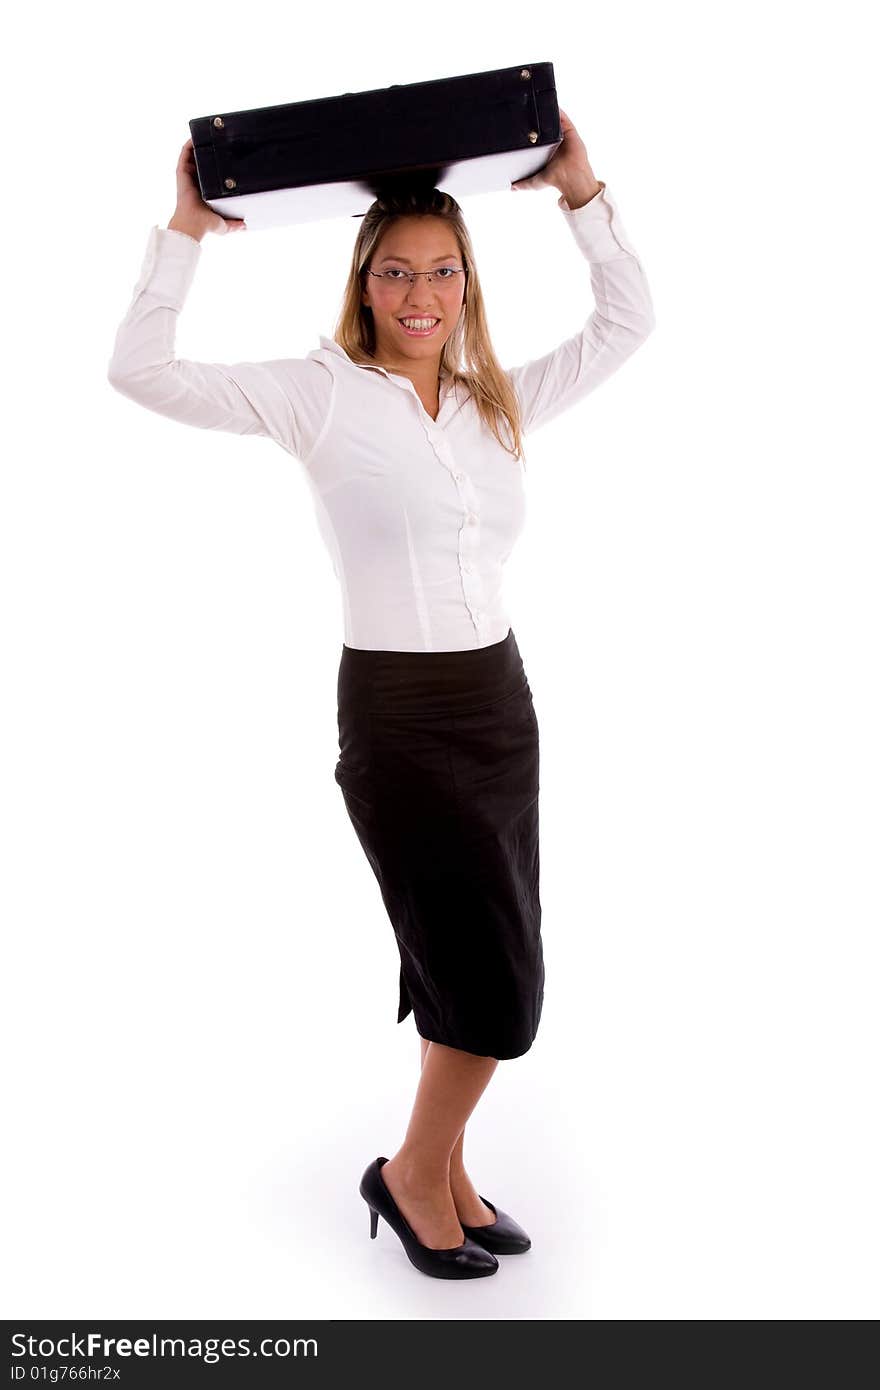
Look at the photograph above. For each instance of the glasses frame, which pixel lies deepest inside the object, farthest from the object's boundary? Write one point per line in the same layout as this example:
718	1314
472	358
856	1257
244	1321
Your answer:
447	280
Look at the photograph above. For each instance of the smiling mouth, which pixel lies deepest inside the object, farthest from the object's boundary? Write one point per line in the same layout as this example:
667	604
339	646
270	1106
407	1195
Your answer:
420	332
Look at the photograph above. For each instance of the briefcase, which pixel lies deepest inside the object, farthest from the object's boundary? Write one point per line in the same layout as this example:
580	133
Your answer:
330	157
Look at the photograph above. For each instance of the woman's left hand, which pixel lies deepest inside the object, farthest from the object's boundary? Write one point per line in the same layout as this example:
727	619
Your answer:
569	166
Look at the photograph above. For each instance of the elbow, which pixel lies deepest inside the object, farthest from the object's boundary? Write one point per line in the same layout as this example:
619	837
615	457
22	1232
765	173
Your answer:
648	320
116	376
637	331
639	313
648	326
631	324
628	340
641	325
129	382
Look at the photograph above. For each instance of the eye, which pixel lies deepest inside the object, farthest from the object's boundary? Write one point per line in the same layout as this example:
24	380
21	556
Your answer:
446	272
393	273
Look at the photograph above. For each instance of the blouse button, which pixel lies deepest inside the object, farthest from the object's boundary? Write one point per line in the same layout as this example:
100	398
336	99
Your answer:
472	519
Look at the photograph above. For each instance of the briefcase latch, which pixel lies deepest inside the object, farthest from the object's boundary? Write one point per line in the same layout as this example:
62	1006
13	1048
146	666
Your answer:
525	75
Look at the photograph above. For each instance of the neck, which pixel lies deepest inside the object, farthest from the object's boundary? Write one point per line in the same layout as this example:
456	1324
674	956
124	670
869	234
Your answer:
425	376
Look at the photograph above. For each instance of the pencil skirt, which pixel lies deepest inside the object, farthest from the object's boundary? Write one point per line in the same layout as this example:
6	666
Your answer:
438	767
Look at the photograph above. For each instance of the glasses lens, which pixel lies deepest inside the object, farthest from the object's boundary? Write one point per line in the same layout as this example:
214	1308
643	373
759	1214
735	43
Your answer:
444	275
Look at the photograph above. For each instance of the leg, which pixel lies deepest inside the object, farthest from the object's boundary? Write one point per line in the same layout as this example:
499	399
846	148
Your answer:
469	1207
418	1175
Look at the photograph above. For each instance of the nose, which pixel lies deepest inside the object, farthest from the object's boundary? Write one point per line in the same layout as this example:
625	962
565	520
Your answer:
420	297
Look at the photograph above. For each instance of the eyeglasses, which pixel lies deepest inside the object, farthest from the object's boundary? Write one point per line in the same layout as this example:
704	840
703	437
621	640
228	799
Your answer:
395	275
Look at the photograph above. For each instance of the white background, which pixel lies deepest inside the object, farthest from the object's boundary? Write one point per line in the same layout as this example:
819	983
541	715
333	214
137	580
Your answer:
201	982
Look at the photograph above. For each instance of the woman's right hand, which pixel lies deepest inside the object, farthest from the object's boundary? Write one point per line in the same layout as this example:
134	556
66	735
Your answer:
192	214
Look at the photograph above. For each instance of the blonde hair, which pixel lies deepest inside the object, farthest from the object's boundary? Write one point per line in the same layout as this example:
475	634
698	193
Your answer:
468	355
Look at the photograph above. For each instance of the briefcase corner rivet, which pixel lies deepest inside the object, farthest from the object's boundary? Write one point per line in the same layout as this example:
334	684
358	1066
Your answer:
525	74
229	183
218	122
533	135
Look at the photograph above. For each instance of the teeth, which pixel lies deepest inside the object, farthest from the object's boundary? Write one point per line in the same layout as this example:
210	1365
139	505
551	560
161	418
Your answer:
419	323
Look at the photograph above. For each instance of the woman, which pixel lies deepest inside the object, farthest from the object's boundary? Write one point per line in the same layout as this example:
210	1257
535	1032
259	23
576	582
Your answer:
411	436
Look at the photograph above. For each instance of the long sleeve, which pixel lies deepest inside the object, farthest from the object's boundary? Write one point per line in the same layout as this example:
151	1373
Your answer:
287	399
622	319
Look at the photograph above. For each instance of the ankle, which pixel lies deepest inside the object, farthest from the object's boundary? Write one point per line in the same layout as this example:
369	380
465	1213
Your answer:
462	1188
419	1172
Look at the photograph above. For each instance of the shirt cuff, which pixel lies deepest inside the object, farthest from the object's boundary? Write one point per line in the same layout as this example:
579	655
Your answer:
597	227
169	264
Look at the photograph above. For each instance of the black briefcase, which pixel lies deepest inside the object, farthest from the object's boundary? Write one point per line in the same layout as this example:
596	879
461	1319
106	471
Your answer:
477	133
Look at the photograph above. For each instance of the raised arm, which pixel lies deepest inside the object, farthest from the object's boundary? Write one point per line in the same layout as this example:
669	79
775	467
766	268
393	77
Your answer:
623	316
285	399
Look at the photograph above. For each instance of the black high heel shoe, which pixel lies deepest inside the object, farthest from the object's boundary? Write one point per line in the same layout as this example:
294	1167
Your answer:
466	1261
504	1236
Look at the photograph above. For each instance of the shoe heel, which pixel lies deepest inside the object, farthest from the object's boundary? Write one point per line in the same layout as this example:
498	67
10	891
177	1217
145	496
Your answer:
466	1261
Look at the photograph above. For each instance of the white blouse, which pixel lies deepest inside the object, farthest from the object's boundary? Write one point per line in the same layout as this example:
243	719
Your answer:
418	515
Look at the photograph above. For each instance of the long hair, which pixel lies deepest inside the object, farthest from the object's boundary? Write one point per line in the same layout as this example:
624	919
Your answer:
468	355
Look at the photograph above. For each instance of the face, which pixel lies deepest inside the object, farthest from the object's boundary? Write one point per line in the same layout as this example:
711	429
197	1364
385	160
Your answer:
414	243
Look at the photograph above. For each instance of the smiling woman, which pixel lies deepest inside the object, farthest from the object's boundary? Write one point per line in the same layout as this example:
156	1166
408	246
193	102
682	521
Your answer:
413	261
421	304
420	509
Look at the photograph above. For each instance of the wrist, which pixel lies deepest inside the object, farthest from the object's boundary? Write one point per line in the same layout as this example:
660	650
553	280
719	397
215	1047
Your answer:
577	192
179	223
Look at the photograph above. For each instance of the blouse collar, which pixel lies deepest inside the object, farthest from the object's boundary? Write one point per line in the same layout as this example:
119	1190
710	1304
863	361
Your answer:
331	345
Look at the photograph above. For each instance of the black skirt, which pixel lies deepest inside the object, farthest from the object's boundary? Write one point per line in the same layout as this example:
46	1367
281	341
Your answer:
438	766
